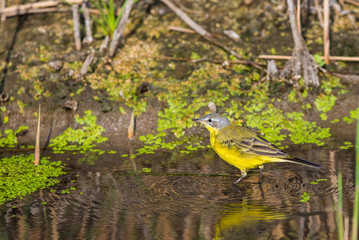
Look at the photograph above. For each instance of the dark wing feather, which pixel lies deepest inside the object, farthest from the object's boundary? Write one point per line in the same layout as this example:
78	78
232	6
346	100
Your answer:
248	142
259	146
255	145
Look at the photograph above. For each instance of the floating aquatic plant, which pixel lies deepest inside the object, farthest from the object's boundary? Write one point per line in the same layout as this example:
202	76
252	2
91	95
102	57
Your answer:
84	139
19	176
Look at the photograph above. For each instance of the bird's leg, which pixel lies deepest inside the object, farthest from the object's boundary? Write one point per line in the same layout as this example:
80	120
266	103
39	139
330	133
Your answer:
244	174
260	173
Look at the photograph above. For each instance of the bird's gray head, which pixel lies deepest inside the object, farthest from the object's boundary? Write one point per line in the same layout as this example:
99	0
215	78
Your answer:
214	121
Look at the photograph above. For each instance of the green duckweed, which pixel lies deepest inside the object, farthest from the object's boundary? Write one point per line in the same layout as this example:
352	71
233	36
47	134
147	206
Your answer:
19	176
82	140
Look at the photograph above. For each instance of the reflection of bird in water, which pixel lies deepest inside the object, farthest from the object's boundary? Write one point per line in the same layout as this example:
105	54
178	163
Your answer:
237	218
243	148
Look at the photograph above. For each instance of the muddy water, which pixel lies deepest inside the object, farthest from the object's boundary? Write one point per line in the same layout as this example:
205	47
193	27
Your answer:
173	196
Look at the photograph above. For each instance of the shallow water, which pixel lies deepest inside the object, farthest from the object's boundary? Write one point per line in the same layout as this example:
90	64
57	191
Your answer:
183	197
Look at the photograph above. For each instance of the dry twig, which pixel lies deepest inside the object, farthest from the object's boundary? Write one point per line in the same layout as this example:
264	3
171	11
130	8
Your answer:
37	11
190	31
86	64
356	3
120	28
76	19
333	58
223	62
26	7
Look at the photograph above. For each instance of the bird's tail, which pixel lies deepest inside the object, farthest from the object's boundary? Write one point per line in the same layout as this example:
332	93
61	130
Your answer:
301	161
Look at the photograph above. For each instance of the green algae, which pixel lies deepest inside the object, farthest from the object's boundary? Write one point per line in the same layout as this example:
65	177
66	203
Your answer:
81	140
19	176
10	139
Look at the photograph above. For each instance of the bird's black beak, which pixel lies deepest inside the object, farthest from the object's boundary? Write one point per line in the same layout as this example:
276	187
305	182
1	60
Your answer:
200	120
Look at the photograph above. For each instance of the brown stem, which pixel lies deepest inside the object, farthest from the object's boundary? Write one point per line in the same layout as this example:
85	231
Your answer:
326	31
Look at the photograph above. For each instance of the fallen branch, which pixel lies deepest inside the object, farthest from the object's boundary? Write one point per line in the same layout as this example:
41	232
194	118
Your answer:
43	10
181	29
201	31
104	44
120	27
347	78
187	30
35	11
333	58
245	62
36	5
86	64
352	2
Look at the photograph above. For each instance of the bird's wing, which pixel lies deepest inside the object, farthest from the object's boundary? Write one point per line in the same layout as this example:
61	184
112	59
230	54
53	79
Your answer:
248	142
260	146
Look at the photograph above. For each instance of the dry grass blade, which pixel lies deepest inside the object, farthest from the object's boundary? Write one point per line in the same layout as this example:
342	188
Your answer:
132	126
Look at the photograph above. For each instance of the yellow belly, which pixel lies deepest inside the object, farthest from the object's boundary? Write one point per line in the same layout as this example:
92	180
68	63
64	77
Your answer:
241	160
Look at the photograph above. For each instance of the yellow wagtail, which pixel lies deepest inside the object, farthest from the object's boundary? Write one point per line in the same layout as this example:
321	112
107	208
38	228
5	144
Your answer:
243	148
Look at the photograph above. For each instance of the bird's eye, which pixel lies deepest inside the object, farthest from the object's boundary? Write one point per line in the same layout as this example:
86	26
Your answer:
209	120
